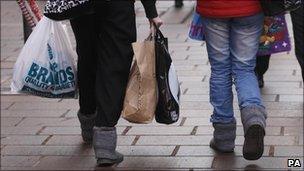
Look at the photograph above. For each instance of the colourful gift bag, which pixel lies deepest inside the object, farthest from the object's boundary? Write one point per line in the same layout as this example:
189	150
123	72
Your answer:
196	29
275	37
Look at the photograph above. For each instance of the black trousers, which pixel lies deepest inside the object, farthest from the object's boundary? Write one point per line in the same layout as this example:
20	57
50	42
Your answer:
104	58
297	18
262	65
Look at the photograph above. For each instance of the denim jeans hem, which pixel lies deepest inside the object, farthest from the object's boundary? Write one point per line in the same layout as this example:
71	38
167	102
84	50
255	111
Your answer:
219	120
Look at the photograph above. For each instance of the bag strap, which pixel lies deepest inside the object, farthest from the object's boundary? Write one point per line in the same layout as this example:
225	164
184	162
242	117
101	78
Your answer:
158	33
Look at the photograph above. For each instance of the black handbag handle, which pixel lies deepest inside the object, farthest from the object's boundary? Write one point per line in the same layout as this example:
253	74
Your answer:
158	33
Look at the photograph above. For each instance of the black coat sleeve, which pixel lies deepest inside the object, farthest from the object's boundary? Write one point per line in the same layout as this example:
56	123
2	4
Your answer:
150	8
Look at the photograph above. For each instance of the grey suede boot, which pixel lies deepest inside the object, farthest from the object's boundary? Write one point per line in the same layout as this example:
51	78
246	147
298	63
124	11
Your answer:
104	143
223	137
254	123
87	123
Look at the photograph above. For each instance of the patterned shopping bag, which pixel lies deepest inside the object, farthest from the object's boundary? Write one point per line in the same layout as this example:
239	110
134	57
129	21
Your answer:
275	37
196	29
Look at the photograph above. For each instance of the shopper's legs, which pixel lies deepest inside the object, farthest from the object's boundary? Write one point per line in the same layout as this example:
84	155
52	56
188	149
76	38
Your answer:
244	42
297	17
245	33
179	3
221	97
85	35
117	32
262	64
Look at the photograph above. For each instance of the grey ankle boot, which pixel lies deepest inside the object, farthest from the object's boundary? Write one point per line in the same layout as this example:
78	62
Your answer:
224	137
87	122
254	123
104	143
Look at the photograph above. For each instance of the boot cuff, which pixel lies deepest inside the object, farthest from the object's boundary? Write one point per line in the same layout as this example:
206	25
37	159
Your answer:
87	121
104	128
225	125
253	115
85	117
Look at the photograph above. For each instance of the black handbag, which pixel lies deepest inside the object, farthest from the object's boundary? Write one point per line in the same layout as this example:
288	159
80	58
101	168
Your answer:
276	7
167	109
67	9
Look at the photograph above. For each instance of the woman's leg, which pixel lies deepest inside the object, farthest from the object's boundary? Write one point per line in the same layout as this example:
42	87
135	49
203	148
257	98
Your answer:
297	17
179	3
262	64
85	35
244	42
221	96
117	32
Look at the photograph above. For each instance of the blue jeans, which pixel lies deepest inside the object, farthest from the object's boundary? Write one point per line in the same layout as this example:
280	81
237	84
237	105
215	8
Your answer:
232	44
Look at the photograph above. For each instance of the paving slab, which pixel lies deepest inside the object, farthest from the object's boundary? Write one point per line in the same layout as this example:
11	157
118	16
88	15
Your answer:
23	139
21	161
68	130
17	130
241	163
83	150
166	162
32	113
201	151
72	140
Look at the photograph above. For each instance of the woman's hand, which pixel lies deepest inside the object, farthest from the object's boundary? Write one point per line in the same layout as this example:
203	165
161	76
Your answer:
157	20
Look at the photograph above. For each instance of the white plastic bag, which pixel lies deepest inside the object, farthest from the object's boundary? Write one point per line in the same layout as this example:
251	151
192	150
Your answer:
45	66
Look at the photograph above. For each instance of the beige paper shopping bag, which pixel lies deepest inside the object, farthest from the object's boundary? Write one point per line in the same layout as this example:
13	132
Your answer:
141	95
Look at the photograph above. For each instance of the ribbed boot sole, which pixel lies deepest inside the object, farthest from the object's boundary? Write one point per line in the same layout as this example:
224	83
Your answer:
214	147
253	148
108	162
